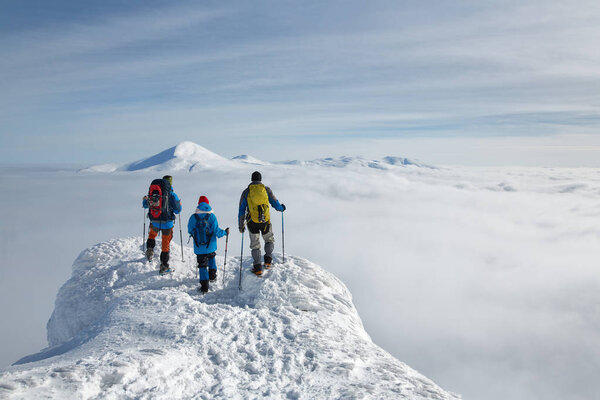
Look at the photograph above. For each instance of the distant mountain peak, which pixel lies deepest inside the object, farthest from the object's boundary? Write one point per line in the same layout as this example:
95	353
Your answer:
357	161
189	150
184	156
189	156
246	159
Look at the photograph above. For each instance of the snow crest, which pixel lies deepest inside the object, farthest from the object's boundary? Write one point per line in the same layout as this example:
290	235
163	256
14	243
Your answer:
357	162
246	159
189	156
186	156
119	330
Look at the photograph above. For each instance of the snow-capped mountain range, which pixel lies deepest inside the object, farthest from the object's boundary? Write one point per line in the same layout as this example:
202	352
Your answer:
189	156
119	330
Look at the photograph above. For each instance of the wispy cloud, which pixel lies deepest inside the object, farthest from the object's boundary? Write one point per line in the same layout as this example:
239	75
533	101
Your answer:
473	69
117	31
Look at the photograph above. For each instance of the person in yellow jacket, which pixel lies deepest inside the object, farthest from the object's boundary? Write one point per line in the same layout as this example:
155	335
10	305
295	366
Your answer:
254	211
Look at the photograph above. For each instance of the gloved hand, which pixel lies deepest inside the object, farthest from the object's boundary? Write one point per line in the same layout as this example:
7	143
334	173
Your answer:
283	206
227	231
242	228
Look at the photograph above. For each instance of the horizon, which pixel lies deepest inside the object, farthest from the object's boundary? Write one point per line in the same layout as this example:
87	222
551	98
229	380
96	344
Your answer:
82	164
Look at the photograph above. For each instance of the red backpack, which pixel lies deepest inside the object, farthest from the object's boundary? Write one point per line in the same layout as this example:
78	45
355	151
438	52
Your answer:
158	200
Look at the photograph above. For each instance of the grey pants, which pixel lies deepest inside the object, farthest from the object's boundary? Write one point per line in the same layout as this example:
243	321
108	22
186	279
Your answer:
267	233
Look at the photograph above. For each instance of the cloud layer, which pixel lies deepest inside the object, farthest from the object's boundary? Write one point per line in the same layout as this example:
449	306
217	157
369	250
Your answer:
475	277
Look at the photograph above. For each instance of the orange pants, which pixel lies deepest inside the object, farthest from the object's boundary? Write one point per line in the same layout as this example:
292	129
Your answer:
167	235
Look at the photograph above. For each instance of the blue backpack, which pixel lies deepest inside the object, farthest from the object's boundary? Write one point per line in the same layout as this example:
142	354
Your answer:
201	232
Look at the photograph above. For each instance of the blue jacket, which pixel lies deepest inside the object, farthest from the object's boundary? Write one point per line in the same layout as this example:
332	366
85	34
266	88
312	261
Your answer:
213	227
175	204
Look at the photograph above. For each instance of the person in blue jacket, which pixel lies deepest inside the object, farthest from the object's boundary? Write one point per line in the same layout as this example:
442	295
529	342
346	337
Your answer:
203	227
164	225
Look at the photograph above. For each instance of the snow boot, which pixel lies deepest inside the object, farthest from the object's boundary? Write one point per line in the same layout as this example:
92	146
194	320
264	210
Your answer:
268	261
164	269
164	263
257	270
203	286
212	274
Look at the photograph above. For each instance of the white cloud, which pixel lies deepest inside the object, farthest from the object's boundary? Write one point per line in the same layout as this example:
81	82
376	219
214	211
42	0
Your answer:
476	277
385	71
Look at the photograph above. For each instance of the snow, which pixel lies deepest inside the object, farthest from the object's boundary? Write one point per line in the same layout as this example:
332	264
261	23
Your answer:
103	168
246	159
119	330
473	276
347	161
402	161
189	156
186	156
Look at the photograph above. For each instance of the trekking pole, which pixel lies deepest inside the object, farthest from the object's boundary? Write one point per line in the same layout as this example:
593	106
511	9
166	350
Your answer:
144	235
181	238
225	262
282	238
241	259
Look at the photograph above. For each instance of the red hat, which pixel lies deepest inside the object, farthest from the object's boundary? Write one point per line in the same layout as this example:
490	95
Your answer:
203	199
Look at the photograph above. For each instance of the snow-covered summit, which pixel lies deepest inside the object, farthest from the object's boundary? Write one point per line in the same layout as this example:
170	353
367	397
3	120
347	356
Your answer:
184	156
246	159
121	331
189	156
394	160
356	161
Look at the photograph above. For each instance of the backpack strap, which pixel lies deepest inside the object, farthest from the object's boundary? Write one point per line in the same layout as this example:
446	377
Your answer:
209	234
194	230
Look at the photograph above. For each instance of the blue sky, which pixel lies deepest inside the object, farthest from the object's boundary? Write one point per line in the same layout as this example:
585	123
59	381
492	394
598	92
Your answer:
477	83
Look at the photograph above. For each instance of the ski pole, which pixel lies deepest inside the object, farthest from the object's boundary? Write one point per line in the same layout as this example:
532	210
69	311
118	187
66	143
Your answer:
181	238
225	263
144	235
282	238
241	259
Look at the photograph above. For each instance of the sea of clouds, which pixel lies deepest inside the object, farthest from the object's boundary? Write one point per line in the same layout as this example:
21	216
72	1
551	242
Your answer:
484	280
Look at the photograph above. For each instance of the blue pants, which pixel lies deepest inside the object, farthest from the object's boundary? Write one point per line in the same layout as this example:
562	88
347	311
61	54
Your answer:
206	261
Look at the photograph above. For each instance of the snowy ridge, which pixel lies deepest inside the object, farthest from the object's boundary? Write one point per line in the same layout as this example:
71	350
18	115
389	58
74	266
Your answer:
186	156
246	159
189	156
390	160
345	161
102	168
121	331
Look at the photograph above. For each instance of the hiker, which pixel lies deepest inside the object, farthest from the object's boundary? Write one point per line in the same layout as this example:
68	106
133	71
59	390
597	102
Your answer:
203	227
254	210
163	203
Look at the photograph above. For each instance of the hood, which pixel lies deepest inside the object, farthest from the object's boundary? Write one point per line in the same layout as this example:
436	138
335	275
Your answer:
203	208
